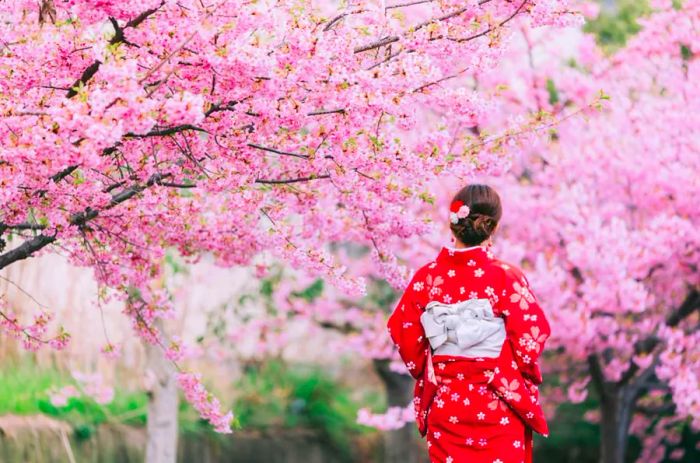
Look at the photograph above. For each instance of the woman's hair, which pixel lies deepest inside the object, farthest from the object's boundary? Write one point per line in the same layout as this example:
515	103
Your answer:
484	213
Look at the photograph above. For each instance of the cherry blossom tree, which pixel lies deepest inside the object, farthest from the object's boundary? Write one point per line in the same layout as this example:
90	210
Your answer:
602	212
232	128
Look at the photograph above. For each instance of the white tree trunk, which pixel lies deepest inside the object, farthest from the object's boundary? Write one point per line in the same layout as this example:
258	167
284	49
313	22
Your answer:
161	446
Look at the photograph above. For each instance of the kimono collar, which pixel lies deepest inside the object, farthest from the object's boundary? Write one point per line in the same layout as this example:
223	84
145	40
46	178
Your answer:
462	256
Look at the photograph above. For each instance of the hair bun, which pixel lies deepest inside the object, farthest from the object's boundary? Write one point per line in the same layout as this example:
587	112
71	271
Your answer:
483	225
484	206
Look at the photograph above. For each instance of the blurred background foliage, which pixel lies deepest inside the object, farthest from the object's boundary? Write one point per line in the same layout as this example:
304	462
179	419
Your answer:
25	389
274	396
616	24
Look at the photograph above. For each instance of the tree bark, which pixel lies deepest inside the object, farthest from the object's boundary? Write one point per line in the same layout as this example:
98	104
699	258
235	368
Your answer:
400	445
616	414
162	429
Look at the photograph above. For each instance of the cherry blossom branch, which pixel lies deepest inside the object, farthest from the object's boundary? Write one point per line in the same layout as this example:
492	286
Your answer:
13	322
118	37
28	248
490	29
462	40
645	346
395	38
32	332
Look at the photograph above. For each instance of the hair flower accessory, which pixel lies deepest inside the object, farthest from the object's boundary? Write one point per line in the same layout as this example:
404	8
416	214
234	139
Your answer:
458	210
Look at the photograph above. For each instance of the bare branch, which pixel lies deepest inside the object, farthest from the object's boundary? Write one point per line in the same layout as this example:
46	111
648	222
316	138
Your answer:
230	106
276	151
166	131
290	180
143	16
64	173
22	226
690	304
656	411
47	9
88	73
25	250
177	185
326	111
335	20
401	5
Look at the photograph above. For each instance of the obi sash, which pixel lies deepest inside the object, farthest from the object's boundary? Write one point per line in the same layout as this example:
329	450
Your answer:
466	329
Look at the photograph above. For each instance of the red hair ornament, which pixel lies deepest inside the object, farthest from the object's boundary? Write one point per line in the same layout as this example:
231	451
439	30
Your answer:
458	210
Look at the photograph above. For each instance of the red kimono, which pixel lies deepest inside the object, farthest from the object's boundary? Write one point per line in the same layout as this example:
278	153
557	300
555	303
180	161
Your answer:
472	409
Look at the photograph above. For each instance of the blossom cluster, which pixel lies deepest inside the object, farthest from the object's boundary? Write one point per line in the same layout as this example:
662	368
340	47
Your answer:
206	405
394	418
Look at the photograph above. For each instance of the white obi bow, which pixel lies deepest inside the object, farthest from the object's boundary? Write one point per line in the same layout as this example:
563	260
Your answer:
468	328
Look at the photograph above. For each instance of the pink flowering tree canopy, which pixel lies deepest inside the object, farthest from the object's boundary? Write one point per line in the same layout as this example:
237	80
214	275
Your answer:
234	128
602	212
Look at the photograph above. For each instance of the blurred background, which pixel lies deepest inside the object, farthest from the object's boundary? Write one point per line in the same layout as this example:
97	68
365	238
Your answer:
303	389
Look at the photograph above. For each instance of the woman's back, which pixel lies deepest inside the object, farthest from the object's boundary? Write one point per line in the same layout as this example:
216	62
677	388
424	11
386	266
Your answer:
470	331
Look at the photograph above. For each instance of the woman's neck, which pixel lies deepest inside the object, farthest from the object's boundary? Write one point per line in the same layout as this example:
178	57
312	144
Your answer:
459	245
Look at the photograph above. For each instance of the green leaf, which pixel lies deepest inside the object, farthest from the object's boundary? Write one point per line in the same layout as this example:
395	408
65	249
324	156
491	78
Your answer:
686	53
376	142
427	197
553	93
311	292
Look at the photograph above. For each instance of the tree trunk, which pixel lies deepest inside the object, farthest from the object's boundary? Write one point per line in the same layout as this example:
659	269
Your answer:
400	445
161	445
616	413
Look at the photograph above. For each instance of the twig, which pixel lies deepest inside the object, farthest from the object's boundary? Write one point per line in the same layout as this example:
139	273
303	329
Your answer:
276	151
23	291
489	29
401	5
291	180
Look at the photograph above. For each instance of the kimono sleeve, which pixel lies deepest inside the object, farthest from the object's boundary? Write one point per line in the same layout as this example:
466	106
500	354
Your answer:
526	324
407	331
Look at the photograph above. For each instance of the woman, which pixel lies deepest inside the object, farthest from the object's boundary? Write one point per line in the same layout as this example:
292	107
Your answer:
470	332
